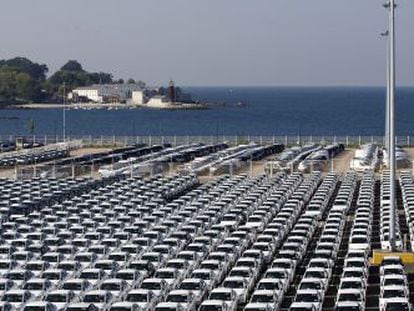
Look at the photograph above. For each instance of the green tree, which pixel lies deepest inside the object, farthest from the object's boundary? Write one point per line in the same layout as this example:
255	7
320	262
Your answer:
72	65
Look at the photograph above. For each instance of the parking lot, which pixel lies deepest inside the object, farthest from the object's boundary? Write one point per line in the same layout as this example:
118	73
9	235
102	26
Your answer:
286	242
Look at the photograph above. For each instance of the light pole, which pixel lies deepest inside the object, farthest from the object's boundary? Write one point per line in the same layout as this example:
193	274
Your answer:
390	5
64	113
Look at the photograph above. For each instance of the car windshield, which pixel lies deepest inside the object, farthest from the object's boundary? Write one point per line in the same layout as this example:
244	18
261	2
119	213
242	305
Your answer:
125	275
352	274
349	297
56	298
34	267
165	275
190	286
314	274
348	308
177	298
104	265
351	284
51	275
392	293
234	284
242	273
275	275
307	298
33	286
111	286
390	281
17	276
269	285
211	308
73	286
4	265
13	298
310	285
221	296
263	298
397	306
94	298
90	275
152	285
137	298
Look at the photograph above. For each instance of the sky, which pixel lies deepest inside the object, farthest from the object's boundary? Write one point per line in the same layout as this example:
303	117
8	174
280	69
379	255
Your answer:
213	42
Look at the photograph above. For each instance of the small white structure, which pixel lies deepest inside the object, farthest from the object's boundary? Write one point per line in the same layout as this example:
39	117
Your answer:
158	102
138	97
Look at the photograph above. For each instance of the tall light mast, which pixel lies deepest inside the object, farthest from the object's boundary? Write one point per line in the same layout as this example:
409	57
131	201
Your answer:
390	5
64	113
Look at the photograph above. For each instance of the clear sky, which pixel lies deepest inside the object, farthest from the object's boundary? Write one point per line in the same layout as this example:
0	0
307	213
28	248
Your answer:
213	42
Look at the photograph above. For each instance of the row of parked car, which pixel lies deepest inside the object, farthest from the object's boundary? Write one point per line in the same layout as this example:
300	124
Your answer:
231	159
313	286
385	216
93	239
22	197
33	158
394	288
208	252
295	236
265	292
354	279
53	257
407	189
160	159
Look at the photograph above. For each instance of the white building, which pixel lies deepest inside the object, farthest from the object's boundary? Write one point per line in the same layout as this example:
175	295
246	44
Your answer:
138	97
100	93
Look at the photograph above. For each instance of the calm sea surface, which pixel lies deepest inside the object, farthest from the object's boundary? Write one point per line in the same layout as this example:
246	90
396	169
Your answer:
267	111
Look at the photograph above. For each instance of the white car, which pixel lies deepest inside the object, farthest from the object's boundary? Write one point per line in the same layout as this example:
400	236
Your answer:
268	298
145	299
17	298
61	298
397	304
391	292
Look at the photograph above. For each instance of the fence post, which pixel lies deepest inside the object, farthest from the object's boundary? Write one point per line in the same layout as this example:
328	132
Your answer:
286	141
359	140
408	141
273	139
347	141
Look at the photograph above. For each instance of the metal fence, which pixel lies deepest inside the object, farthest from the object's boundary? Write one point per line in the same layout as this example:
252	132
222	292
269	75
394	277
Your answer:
91	140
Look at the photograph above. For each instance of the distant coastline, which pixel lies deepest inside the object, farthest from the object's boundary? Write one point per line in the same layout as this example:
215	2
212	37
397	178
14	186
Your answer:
105	106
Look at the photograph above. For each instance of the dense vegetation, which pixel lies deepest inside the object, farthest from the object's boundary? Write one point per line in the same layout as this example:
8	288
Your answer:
22	80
